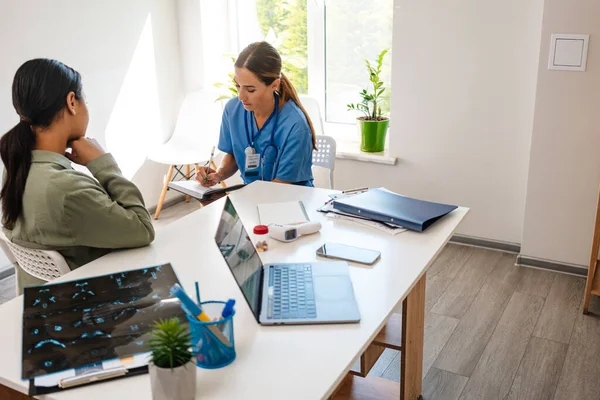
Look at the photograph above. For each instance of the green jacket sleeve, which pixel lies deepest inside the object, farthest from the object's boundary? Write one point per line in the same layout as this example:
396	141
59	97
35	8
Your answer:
110	214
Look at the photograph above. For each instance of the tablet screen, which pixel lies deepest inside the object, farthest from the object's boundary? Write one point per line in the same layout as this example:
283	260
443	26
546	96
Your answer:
76	323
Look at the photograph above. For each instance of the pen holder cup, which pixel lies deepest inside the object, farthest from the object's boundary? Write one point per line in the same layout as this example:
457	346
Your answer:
213	343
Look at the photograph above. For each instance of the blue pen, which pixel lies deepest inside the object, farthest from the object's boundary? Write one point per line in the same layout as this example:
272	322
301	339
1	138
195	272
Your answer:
228	309
197	312
198	293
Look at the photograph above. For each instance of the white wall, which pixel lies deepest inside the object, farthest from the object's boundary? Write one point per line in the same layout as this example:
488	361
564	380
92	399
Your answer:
564	172
128	55
463	90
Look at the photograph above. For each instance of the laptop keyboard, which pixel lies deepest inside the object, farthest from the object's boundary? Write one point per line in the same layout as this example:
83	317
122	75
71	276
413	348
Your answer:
293	295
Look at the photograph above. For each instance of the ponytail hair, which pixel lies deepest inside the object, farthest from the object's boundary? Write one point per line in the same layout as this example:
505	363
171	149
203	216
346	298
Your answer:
287	91
39	95
263	60
15	149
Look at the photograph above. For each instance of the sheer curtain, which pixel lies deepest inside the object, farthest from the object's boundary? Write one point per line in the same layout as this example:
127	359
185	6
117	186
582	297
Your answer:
210	34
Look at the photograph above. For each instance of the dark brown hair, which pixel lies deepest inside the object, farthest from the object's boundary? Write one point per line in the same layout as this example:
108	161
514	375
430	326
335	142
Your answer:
39	94
264	61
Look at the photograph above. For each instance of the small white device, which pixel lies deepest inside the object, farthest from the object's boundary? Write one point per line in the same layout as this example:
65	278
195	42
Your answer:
289	233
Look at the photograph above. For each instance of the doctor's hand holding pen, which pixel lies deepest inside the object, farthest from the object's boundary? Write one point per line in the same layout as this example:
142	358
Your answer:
207	176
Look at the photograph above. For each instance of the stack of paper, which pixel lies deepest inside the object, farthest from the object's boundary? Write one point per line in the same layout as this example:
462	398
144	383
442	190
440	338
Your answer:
340	215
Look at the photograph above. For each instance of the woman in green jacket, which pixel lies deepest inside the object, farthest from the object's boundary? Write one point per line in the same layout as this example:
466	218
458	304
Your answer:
48	205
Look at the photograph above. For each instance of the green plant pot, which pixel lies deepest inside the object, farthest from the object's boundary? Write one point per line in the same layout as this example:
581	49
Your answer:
373	135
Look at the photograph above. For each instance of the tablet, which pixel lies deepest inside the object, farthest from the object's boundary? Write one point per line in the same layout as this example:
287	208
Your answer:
76	323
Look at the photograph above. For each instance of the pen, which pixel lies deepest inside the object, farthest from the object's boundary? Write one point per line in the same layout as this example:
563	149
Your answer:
189	304
92	377
355	190
198	293
228	309
197	312
212	153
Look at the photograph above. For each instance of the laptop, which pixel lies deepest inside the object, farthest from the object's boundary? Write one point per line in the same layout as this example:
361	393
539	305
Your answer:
285	294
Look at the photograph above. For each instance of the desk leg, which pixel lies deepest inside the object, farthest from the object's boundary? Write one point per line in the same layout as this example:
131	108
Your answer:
413	328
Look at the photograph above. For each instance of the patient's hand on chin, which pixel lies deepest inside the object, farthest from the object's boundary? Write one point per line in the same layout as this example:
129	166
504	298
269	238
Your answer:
84	150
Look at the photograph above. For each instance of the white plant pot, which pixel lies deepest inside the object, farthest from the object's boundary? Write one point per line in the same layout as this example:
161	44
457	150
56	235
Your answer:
173	384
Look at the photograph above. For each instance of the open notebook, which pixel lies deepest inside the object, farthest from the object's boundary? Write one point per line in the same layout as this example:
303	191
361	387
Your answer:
197	191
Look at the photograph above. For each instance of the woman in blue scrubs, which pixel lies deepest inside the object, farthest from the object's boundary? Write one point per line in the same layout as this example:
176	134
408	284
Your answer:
265	132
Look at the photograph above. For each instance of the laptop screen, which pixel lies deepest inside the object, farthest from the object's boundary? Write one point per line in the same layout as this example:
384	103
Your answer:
241	256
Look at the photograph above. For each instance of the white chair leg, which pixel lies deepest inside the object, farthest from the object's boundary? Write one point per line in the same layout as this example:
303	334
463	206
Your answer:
164	191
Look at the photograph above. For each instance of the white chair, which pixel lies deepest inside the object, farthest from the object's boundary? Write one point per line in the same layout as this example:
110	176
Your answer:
196	132
46	265
325	156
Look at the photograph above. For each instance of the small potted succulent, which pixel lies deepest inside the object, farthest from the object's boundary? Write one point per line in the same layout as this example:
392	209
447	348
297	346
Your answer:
172	369
373	126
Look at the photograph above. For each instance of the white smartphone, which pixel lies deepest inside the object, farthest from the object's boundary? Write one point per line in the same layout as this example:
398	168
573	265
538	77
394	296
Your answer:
348	253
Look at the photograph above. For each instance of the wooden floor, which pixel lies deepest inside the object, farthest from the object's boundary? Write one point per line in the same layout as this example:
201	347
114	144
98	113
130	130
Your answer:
492	330
497	331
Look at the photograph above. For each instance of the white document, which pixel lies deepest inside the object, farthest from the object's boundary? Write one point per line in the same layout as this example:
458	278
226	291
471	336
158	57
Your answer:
287	213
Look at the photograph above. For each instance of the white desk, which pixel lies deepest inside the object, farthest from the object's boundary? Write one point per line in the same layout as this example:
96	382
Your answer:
281	362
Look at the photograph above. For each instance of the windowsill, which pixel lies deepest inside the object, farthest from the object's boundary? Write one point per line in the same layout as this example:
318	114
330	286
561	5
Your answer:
348	145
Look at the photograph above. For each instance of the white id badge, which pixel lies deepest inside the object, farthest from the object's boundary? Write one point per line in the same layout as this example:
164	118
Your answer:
252	165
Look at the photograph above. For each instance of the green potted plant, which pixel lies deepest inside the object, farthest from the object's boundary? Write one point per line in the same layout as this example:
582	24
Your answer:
373	126
172	369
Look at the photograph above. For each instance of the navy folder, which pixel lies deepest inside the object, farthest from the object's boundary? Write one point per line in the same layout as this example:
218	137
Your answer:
381	205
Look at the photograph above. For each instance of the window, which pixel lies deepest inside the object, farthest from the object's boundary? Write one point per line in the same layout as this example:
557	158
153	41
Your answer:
354	30
323	44
284	25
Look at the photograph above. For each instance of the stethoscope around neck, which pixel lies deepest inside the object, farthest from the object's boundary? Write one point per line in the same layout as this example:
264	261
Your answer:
249	120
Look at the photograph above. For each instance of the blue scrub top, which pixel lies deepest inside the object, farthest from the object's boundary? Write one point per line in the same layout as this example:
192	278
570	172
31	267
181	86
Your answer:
290	157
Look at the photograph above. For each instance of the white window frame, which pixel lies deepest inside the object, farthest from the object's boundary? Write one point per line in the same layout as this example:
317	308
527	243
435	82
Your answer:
317	68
